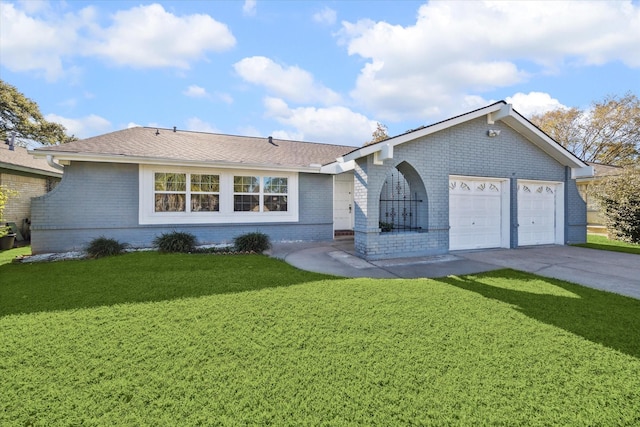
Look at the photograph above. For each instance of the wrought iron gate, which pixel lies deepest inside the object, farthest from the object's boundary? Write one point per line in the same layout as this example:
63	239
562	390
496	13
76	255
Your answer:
398	206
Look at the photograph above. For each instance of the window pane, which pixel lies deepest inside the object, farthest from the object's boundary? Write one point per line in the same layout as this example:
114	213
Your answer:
275	185
246	184
206	183
170	202
205	203
171	182
275	203
246	203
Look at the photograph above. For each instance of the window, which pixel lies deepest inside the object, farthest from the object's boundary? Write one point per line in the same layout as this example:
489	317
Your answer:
250	196
205	193
246	194
171	193
200	195
275	194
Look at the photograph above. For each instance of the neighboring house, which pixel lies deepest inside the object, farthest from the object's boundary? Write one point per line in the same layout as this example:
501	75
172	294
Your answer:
595	220
485	179
30	177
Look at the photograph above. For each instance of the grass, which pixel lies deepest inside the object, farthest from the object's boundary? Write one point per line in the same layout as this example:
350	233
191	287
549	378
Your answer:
149	339
595	241
7	256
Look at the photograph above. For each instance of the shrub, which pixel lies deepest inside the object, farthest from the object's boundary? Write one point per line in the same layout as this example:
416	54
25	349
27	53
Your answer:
175	241
619	199
102	246
252	242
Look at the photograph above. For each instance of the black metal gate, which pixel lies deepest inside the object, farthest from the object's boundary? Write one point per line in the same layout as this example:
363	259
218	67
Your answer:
398	206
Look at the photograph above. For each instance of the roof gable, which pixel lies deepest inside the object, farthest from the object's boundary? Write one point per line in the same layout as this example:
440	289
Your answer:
500	111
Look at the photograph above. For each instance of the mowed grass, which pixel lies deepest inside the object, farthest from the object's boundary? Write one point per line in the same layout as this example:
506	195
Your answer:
9	255
595	241
149	339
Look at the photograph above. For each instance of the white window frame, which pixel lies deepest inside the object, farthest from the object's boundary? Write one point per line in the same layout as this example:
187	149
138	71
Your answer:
226	214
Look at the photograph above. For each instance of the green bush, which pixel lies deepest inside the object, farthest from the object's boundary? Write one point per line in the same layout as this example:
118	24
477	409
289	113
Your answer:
252	242
102	246
619	199
175	241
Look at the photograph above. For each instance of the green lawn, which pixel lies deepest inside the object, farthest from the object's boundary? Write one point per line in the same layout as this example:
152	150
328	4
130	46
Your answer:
595	241
7	256
150	339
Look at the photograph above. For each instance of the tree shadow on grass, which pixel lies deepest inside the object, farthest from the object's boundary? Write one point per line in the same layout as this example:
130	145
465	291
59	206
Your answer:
137	278
600	317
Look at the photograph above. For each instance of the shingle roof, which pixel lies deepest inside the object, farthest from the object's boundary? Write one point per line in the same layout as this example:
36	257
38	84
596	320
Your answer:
600	169
19	159
167	145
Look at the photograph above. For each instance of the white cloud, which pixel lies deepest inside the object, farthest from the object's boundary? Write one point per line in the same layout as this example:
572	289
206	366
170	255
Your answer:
149	36
83	127
34	44
249	8
195	91
326	16
199	125
133	125
224	97
458	49
289	82
38	38
334	125
532	103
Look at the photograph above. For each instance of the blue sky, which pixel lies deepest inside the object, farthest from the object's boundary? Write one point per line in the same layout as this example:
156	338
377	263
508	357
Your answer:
324	71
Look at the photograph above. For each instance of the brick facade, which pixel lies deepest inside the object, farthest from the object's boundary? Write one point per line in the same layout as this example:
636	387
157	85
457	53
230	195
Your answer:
466	150
101	199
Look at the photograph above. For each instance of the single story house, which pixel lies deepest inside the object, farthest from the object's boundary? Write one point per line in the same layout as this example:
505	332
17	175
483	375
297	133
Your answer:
485	179
29	177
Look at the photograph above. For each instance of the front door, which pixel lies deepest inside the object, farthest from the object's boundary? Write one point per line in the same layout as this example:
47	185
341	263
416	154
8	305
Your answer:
343	202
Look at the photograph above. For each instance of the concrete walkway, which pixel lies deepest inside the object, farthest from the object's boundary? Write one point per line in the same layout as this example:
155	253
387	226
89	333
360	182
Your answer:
609	271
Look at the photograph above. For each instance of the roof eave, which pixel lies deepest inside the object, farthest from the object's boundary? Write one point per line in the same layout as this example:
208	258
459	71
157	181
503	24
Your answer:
64	157
33	171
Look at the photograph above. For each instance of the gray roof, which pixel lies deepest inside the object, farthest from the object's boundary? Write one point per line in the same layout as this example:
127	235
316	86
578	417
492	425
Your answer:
166	145
600	169
20	160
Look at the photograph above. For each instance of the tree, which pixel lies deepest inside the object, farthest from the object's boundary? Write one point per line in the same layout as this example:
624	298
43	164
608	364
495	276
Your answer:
619	200
380	134
21	115
608	132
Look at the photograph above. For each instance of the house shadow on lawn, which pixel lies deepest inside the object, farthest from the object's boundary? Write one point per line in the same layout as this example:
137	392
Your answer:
601	317
138	278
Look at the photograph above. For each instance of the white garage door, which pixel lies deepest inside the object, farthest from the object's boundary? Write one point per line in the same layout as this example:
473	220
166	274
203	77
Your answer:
476	214
536	213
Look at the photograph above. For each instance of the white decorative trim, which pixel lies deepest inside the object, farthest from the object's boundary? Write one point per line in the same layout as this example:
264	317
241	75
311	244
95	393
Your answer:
226	214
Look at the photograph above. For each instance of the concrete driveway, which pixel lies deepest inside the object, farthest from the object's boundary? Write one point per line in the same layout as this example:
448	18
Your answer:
609	271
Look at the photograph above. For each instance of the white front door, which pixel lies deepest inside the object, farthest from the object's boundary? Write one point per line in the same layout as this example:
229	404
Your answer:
537	214
478	217
343	202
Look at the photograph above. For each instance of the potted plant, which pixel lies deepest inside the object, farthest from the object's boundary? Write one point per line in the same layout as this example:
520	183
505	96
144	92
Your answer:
7	236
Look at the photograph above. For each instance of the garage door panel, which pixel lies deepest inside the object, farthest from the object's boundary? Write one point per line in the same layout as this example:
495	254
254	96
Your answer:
475	213
537	204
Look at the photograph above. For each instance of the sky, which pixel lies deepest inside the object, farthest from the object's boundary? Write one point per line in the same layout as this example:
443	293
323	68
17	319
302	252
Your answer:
318	71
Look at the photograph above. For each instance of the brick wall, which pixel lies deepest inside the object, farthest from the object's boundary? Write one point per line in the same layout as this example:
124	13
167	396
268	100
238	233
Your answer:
101	199
18	208
461	150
